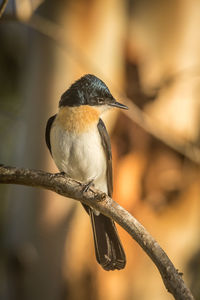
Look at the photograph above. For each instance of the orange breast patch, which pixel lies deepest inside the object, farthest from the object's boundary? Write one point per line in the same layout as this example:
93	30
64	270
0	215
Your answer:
77	119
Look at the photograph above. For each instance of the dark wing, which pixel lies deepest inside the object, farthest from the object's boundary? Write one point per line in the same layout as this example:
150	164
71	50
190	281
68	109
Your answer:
47	132
107	148
108	248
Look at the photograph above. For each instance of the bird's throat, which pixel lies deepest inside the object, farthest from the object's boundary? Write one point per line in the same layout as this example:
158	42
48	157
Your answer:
77	119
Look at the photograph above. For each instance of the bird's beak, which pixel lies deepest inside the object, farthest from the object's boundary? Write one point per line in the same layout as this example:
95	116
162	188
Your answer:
119	105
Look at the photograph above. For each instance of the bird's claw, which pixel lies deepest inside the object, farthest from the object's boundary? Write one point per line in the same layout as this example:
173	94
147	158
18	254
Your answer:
87	186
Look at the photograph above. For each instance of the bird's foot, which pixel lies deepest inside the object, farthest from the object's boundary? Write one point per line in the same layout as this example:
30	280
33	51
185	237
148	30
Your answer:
87	186
60	175
63	173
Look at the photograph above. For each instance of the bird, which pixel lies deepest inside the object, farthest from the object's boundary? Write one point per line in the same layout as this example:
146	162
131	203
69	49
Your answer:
80	146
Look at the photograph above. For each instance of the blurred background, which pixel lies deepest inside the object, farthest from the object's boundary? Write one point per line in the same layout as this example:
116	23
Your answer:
147	52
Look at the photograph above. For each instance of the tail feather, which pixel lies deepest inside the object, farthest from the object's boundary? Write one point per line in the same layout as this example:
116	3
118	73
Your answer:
109	251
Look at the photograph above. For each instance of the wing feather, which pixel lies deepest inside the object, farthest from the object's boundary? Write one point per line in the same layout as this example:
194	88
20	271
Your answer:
107	149
47	131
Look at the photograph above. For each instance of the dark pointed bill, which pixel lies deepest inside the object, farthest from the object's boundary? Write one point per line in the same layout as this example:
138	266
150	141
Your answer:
119	105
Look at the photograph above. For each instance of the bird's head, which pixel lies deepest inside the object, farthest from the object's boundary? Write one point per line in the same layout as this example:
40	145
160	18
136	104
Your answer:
89	90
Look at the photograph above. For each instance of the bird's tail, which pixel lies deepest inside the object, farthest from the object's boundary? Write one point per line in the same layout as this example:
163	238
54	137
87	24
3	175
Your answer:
109	251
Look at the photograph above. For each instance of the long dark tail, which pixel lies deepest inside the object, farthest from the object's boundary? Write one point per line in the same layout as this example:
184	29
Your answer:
109	252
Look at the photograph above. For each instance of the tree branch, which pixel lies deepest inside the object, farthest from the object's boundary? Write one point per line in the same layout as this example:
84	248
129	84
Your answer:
161	132
3	7
68	187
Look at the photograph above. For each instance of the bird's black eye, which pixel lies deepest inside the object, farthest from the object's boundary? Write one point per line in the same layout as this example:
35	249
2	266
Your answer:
100	100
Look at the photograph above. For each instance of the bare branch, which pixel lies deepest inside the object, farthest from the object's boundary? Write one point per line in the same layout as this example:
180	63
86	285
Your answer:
3	7
161	132
73	189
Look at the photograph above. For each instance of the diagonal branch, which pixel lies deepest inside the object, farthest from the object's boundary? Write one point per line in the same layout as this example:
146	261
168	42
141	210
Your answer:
3	7
161	132
73	189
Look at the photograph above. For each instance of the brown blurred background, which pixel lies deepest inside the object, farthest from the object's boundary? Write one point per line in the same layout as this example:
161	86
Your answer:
147	51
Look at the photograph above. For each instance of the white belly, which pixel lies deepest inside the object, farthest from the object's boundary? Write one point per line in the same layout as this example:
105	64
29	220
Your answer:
81	157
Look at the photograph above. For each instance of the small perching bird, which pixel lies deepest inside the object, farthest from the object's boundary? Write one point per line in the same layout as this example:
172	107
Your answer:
80	146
